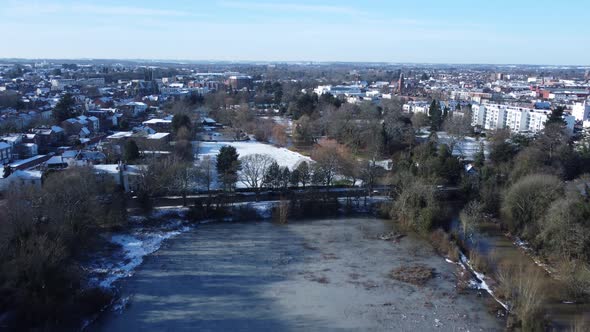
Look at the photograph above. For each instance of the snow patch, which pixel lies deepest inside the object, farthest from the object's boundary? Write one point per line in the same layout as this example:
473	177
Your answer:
134	245
479	282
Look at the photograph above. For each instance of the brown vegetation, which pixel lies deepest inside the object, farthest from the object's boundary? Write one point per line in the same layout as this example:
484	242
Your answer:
416	274
42	232
525	289
444	245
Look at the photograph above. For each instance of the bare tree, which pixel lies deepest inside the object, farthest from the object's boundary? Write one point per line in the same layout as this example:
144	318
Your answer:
329	156
368	173
254	167
206	174
457	127
303	173
183	178
279	135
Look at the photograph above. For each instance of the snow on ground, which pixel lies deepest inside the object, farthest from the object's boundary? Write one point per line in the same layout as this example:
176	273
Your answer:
479	282
135	244
467	147
283	156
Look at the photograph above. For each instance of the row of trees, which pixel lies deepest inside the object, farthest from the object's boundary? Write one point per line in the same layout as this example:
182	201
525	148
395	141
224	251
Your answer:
331	161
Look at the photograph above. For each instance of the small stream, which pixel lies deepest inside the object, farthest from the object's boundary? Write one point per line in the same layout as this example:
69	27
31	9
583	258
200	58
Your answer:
489	240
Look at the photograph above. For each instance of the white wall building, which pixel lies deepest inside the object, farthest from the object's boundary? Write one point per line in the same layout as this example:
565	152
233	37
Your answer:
417	107
338	90
581	111
517	119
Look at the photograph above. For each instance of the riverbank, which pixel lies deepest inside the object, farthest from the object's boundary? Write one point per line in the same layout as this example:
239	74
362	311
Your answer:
331	274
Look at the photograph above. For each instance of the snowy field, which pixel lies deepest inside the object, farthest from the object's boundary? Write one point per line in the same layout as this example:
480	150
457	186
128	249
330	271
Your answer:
467	147
284	157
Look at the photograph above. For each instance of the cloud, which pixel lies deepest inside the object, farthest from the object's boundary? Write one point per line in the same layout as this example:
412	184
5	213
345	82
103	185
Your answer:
290	7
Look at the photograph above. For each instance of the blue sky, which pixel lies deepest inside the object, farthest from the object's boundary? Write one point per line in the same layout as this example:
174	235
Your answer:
432	31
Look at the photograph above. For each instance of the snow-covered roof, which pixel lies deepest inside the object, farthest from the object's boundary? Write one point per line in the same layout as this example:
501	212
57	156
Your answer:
27	175
57	129
18	163
121	134
56	160
158	135
155	121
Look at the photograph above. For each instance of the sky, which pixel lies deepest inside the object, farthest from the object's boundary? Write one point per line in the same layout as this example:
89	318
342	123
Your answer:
414	31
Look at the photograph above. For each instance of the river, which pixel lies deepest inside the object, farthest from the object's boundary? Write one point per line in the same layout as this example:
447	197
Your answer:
316	275
561	312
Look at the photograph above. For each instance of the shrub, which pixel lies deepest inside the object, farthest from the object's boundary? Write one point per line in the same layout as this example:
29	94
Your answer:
565	229
527	200
444	245
524	287
417	207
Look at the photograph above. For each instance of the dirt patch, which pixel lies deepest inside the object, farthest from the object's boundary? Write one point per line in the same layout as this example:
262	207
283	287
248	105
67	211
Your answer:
317	278
329	256
309	246
416	274
391	236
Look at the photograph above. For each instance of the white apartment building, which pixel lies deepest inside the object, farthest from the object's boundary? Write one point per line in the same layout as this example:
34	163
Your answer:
60	84
581	111
537	120
338	90
517	119
417	107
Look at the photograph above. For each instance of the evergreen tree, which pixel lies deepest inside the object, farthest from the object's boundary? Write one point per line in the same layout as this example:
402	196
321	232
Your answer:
180	121
479	158
294	180
304	173
131	151
7	171
285	177
64	108
435	116
318	176
556	116
272	178
228	166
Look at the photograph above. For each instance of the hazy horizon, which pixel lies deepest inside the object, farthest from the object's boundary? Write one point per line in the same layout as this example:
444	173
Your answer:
305	62
426	32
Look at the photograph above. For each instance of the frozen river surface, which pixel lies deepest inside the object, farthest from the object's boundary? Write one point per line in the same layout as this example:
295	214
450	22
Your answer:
322	275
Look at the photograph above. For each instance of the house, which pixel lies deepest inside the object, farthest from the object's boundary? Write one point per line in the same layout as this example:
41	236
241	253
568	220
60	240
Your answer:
57	162
84	132
27	150
209	122
83	158
470	170
159	124
72	126
134	109
20	179
5	153
91	122
126	176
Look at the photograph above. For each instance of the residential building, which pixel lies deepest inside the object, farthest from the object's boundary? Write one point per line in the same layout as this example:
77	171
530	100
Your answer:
581	111
5	153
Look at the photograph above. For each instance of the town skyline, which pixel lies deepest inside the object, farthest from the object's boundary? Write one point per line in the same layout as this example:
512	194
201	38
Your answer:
290	62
